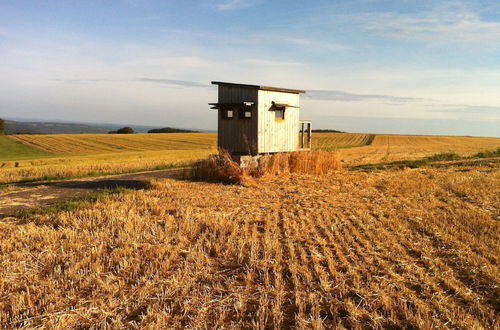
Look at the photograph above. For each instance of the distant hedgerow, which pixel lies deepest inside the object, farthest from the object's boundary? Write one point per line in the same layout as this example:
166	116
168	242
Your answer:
123	130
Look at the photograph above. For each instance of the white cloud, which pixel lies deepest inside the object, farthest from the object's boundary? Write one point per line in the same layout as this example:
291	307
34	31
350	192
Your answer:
297	42
234	4
281	39
466	111
333	95
174	82
174	61
264	62
445	23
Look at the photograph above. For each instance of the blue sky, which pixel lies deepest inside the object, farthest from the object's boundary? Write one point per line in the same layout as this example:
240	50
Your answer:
420	67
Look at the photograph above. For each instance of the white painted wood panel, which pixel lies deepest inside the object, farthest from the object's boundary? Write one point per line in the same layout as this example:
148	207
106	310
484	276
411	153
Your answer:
275	135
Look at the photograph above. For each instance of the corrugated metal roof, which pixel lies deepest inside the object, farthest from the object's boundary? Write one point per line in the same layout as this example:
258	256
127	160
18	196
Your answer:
266	88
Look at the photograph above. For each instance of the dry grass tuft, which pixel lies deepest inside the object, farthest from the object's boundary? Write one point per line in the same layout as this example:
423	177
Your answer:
302	162
222	168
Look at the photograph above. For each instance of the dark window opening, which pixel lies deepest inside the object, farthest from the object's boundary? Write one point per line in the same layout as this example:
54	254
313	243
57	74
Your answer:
279	114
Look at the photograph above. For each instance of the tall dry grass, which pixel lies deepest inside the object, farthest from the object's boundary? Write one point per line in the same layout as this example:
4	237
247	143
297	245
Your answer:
218	168
222	167
300	162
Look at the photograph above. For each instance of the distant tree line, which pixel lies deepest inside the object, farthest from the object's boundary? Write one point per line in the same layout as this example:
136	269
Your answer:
171	130
327	131
123	130
2	126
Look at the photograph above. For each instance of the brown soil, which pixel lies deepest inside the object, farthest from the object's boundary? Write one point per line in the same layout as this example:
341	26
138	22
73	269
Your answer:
38	194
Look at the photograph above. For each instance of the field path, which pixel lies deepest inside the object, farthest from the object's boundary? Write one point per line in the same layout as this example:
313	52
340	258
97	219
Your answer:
29	195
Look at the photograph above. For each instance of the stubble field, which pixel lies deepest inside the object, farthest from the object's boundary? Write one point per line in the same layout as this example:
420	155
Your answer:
92	144
388	148
78	155
394	248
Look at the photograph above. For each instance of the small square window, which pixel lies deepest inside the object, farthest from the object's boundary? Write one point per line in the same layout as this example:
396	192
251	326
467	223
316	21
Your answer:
227	114
245	113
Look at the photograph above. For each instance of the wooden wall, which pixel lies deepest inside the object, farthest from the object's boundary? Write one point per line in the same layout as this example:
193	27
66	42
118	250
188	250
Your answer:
275	135
238	135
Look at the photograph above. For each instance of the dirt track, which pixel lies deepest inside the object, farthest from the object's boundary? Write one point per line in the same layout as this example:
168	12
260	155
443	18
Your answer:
28	195
21	196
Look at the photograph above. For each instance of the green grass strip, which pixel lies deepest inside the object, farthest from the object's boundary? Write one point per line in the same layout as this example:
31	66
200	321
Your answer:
443	156
11	149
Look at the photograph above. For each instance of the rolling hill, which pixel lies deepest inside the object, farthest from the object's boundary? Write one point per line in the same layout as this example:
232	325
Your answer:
42	127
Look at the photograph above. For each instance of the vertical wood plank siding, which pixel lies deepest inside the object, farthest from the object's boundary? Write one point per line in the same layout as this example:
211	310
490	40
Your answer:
263	133
275	135
238	135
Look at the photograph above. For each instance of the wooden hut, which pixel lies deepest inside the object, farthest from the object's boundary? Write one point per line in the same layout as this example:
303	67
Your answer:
255	119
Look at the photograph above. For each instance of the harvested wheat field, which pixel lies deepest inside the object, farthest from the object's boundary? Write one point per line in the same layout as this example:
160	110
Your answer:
77	155
329	141
85	144
387	148
97	165
415	248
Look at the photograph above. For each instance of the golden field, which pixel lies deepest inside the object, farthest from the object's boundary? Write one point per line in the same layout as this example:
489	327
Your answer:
100	164
414	248
92	144
388	148
77	155
329	141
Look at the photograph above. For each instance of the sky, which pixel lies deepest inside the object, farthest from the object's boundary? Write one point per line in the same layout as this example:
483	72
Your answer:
375	66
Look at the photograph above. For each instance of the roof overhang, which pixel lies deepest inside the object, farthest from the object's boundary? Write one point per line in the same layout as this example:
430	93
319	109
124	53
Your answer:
231	106
282	105
260	87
